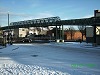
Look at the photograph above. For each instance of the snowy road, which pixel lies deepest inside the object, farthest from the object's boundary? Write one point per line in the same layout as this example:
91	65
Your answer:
49	59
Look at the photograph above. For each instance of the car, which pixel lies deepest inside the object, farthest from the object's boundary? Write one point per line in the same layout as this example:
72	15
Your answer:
26	40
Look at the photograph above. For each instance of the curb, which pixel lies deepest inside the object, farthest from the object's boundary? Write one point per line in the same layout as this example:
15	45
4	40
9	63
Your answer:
2	47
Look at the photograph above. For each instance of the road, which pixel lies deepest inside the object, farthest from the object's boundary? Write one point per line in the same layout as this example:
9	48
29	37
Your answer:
74	61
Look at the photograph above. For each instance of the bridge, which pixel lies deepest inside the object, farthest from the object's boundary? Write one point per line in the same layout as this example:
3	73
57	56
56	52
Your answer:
56	21
53	21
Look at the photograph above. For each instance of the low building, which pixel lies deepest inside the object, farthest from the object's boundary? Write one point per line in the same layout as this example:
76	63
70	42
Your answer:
1	33
68	35
20	32
74	35
23	32
90	35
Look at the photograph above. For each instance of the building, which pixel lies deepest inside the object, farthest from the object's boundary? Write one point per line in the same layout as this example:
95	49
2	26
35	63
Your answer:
75	35
20	32
1	36
68	35
91	35
23	32
98	30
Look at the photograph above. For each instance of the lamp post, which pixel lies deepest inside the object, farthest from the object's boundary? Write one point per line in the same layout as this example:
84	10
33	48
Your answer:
8	28
9	31
8	21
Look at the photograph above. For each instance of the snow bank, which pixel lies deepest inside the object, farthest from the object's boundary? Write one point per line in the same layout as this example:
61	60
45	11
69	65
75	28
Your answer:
11	61
20	69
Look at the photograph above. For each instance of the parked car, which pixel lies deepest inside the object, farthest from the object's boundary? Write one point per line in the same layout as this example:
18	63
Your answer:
26	40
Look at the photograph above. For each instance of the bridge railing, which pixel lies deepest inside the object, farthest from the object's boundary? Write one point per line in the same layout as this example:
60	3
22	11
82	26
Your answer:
53	21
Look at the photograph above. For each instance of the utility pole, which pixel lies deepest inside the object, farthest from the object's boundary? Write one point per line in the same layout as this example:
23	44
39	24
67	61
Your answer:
8	19
8	29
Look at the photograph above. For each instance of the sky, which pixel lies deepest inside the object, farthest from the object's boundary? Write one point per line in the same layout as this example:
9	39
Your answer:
20	10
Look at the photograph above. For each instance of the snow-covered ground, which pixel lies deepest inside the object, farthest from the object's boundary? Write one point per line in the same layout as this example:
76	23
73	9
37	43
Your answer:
50	59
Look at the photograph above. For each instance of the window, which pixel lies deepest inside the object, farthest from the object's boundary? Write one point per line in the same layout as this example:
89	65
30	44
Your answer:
23	29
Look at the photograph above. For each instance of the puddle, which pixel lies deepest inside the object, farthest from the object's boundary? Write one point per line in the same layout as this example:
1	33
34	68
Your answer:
34	55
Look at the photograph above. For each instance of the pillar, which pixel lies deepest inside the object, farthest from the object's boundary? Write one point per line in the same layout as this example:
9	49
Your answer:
59	32
56	32
62	33
94	35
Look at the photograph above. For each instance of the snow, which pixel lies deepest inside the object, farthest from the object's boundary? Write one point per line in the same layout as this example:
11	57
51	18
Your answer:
20	69
78	45
68	58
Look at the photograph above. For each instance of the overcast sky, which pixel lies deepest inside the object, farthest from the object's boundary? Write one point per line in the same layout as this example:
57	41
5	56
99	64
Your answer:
30	9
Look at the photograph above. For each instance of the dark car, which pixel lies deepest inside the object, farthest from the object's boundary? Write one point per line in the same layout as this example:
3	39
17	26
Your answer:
26	40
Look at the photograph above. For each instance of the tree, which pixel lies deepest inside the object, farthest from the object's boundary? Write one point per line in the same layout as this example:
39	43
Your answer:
82	29
54	31
71	29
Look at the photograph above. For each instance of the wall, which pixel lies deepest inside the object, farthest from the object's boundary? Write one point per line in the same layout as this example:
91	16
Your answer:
23	32
20	32
76	35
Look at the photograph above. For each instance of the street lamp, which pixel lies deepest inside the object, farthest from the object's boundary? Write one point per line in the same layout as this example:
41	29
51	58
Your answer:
8	20
9	31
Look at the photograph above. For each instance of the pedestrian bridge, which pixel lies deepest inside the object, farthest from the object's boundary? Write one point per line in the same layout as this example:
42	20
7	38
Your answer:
52	21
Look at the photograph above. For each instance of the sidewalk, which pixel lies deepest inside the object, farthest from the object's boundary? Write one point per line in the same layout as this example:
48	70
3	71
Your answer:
77	45
1	47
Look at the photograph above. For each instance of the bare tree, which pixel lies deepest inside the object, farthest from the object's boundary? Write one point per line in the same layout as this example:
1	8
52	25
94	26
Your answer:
71	29
82	29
